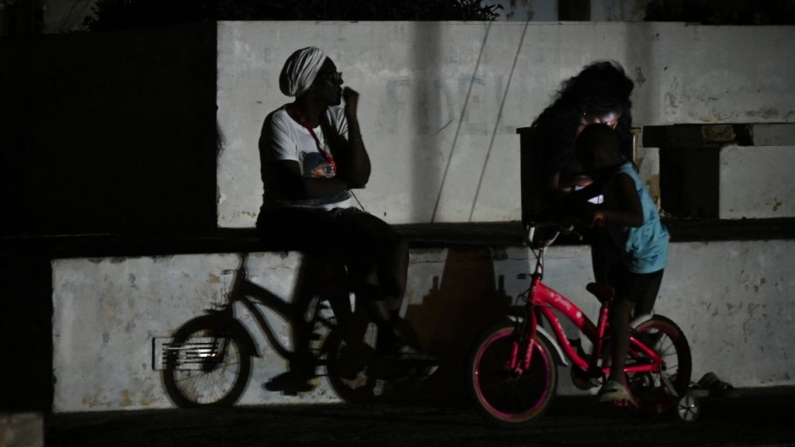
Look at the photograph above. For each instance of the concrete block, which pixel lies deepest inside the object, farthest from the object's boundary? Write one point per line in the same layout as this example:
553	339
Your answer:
737	301
757	182
778	134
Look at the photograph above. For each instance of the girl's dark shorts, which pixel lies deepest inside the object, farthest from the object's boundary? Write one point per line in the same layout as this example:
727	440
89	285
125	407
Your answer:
639	288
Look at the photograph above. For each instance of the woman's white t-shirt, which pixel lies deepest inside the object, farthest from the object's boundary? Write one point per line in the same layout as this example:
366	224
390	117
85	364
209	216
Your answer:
285	139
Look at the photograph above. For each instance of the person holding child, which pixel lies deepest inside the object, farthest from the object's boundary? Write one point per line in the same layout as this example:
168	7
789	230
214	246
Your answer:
598	94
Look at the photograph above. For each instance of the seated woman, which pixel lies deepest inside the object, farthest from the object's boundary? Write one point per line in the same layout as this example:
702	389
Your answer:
312	155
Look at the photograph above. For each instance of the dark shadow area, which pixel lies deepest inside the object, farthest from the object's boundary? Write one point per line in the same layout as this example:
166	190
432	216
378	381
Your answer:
460	306
428	103
530	186
126	14
574	10
103	133
320	281
689	182
720	12
109	132
21	19
26	327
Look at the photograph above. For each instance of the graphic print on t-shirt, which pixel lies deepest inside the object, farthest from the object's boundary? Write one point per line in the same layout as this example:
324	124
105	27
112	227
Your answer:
316	165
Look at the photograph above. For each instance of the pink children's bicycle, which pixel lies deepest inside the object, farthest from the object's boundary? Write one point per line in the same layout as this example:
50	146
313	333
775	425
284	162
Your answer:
512	369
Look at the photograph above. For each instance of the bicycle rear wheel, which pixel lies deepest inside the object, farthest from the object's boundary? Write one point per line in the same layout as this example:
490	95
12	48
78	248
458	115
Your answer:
208	364
501	396
649	391
346	362
353	367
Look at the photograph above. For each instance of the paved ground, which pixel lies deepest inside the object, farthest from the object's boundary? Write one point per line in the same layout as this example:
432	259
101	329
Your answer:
763	417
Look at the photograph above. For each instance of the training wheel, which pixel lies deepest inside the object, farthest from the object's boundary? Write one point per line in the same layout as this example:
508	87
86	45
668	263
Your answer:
689	408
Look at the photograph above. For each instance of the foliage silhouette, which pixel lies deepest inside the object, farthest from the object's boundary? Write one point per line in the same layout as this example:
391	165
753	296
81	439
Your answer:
128	14
722	12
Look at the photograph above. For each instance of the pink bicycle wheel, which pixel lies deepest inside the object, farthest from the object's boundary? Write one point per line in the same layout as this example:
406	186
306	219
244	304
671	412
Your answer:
649	390
502	396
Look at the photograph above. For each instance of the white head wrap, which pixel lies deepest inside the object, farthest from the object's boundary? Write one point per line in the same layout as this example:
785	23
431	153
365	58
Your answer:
300	70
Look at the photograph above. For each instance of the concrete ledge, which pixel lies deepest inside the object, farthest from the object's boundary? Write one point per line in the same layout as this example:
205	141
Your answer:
733	299
437	235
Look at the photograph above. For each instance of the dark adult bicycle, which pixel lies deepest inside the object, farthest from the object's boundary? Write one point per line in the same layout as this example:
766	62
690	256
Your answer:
208	360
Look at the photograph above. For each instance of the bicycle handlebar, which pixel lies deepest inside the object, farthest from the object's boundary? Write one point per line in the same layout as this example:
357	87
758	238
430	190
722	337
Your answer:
558	228
559	225
534	228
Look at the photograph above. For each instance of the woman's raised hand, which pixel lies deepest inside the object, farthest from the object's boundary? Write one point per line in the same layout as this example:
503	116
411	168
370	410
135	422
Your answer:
351	98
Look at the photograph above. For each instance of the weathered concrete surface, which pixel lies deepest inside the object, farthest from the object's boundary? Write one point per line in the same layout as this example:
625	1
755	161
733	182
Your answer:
734	300
757	182
441	101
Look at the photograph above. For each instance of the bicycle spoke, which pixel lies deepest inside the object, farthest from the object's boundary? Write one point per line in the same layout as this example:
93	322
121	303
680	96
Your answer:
650	389
210	386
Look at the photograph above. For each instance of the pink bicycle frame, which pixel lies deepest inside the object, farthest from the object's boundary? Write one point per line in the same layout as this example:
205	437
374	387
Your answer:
544	299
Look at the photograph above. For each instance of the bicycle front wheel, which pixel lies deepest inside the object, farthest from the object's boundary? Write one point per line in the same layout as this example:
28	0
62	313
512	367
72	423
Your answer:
208	363
499	394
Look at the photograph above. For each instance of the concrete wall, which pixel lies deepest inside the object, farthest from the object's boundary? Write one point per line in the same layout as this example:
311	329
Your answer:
757	182
734	300
441	102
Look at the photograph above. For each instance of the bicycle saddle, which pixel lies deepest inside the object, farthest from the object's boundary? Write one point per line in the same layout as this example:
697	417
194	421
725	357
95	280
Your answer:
602	292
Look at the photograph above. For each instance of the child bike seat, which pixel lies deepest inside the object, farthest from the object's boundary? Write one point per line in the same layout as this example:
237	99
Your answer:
602	292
